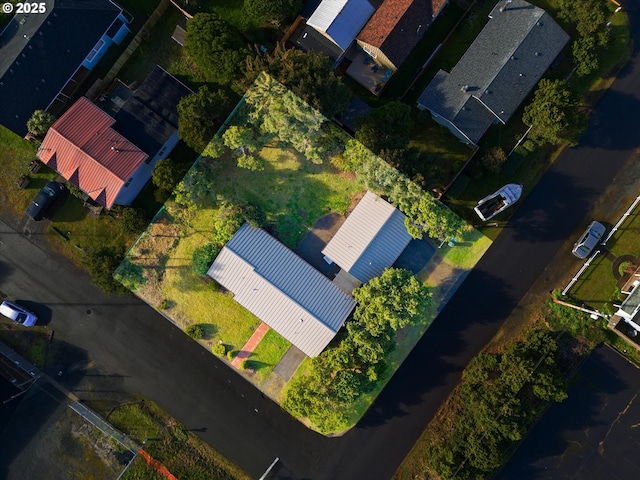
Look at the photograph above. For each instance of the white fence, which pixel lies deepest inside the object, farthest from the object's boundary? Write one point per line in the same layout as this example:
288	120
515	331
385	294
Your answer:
615	228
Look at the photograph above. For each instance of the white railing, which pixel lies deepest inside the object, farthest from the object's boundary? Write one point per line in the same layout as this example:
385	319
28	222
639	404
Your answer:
622	219
580	272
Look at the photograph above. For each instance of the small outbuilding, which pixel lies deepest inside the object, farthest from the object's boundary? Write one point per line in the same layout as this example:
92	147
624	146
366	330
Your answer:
341	20
371	239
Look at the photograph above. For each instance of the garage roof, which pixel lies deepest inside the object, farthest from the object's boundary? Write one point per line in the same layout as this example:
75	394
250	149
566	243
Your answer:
341	20
371	239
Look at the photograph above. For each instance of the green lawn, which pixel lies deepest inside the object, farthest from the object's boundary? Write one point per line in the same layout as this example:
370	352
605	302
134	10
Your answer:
160	49
267	355
15	155
292	191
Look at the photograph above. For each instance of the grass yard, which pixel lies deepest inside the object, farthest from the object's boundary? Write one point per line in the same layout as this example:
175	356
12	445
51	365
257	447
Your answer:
169	442
292	191
15	155
160	49
267	355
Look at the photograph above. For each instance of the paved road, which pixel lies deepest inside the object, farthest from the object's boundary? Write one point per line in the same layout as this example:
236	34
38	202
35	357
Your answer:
593	434
129	346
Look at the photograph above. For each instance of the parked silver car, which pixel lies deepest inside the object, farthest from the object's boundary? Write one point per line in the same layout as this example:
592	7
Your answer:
18	314
589	239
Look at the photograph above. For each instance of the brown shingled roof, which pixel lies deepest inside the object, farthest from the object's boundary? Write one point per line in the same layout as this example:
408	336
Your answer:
83	148
398	25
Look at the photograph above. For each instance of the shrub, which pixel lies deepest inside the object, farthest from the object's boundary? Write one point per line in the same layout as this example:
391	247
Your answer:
132	220
231	354
227	225
40	122
219	349
203	257
195	331
529	145
254	215
251	162
75	190
494	159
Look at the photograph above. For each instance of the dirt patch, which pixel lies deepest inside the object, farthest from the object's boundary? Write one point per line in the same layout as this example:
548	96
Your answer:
46	439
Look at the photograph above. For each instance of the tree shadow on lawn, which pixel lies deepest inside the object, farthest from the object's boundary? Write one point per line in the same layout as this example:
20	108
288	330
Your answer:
209	331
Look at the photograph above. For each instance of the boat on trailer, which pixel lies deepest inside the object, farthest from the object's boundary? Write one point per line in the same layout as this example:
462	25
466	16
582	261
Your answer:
497	202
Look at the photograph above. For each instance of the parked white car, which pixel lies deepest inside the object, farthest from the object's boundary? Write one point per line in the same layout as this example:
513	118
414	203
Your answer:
18	314
589	239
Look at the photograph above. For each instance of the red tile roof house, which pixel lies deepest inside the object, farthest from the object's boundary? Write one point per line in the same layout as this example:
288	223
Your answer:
394	30
83	147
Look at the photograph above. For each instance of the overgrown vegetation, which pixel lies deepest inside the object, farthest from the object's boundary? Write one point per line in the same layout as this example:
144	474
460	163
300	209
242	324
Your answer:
498	399
170	443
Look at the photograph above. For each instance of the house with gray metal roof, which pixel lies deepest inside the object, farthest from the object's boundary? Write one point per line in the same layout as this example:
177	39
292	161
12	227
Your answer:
341	20
503	64
371	239
281	289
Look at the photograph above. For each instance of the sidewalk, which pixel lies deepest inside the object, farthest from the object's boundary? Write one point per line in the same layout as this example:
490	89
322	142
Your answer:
251	344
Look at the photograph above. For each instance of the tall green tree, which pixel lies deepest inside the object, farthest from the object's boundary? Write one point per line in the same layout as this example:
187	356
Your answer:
167	174
40	122
309	75
395	299
584	54
271	10
386	127
554	114
200	115
589	16
216	47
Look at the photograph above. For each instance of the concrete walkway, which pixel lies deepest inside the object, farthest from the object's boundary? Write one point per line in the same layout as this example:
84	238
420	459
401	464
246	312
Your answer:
251	344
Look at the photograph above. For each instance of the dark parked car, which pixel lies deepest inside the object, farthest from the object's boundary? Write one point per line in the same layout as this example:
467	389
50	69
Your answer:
44	199
588	240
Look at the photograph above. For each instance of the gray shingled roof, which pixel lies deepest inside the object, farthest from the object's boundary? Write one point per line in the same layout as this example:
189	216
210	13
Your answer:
499	69
370	239
281	289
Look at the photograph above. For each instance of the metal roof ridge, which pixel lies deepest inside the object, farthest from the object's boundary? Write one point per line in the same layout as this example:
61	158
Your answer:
293	300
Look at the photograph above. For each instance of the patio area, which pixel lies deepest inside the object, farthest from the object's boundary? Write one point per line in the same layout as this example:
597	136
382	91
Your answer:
367	73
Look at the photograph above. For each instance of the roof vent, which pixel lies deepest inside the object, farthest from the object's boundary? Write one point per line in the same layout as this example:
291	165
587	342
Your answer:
540	24
514	58
505	5
537	54
465	88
